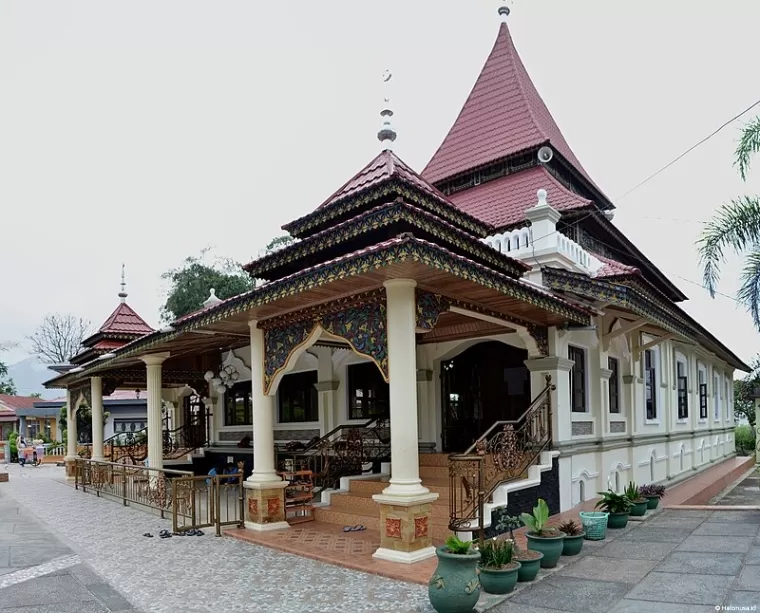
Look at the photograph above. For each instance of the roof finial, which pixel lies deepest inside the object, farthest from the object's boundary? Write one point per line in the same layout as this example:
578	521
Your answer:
504	12
387	134
123	292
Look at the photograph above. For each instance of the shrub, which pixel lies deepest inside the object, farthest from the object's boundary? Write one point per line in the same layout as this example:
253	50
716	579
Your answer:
744	436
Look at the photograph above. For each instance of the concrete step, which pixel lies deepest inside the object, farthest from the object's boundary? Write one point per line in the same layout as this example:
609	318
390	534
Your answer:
362	502
435	472
434	459
375	486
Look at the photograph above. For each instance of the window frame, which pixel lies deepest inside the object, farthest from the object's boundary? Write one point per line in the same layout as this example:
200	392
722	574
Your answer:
651	356
682	388
717	393
614	382
703	396
240	390
362	413
578	374
303	384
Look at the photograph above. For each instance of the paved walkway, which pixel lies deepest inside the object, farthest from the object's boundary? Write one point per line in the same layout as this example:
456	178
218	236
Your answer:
196	574
41	574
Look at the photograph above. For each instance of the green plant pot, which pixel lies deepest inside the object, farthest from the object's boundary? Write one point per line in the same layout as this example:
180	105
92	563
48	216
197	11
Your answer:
572	545
500	581
455	586
617	520
550	546
639	508
529	569
652	502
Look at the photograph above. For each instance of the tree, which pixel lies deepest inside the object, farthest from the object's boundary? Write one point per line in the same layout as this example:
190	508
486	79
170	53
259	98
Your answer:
736	226
84	421
744	392
279	242
6	383
59	337
190	284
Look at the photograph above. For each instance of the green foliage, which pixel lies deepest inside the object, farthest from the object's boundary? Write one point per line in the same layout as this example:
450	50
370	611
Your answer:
749	144
6	383
84	420
536	522
496	553
279	242
744	437
13	440
570	528
190	284
457	546
508	522
652	490
612	502
632	492
744	391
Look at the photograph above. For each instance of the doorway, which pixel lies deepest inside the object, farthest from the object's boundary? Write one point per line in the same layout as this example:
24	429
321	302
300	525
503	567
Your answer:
488	382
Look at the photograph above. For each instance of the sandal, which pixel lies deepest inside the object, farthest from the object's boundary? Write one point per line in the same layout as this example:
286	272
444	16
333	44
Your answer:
148	534
359	528
166	536
347	529
199	533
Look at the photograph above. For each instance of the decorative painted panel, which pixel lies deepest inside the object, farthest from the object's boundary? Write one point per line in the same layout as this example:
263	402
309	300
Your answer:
393	528
429	309
420	526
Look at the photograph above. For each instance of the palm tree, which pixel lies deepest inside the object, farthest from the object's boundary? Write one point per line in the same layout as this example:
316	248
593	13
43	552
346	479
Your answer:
737	226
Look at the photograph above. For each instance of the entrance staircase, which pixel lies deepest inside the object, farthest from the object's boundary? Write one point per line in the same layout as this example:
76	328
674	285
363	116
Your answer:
356	506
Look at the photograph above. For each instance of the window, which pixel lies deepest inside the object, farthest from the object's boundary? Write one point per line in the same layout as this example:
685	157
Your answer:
128	425
298	397
727	396
577	379
716	397
702	393
683	390
237	405
614	385
650	383
367	392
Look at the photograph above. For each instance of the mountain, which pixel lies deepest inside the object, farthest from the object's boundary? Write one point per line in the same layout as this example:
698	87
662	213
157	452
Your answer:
29	375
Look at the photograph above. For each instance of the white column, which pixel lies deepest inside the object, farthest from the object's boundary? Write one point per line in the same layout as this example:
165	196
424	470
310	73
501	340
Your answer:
96	389
326	386
155	435
264	471
71	428
402	370
559	369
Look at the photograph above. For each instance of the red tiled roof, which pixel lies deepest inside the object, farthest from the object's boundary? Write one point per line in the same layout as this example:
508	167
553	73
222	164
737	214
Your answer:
125	321
613	268
108	343
383	167
503	115
18	402
503	202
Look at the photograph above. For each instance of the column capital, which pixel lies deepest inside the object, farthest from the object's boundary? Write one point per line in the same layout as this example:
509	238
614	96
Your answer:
548	364
155	359
95	379
326	386
391	283
253	324
605	373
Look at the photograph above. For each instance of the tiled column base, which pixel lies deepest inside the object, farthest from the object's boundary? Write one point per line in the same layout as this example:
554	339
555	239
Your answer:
265	506
405	531
70	468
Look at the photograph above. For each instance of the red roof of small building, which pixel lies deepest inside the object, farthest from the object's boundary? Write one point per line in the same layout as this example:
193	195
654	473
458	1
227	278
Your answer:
18	402
503	115
125	321
503	202
613	268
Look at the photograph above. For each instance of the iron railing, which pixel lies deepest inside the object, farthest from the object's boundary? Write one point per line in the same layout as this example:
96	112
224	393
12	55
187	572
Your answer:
342	452
132	447
205	501
503	453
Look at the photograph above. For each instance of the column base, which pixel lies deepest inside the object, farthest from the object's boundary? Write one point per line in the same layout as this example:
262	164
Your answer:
265	506
405	534
402	557
70	464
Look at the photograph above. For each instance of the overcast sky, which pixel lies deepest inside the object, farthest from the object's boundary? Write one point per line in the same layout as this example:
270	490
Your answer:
142	131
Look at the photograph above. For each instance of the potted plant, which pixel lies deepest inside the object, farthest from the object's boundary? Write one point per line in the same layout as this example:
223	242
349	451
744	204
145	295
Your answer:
638	502
574	534
498	568
530	563
547	540
454	586
617	505
653	493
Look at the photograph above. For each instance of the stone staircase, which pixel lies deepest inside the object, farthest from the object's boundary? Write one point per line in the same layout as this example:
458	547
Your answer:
355	506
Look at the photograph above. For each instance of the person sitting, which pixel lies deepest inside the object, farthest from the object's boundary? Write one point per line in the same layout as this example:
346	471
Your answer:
211	473
245	442
229	470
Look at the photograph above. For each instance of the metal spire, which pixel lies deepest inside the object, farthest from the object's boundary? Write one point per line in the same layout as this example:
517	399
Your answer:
123	292
387	135
504	12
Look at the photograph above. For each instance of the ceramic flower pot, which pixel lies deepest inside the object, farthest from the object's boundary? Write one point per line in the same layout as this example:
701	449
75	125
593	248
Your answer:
499	580
639	507
550	546
455	586
617	520
572	545
652	502
529	568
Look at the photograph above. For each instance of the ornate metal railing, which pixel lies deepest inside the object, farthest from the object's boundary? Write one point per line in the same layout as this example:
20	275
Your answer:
150	487
205	501
342	452
503	453
132	447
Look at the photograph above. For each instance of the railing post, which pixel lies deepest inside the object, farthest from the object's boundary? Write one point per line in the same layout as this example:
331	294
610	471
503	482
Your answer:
124	485
241	502
174	505
216	489
76	474
481	500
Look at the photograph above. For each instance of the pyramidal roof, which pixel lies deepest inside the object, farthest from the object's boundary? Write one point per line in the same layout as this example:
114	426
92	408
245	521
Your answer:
503	115
124	320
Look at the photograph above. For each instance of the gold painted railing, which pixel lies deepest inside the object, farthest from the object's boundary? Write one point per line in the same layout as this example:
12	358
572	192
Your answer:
504	453
206	501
